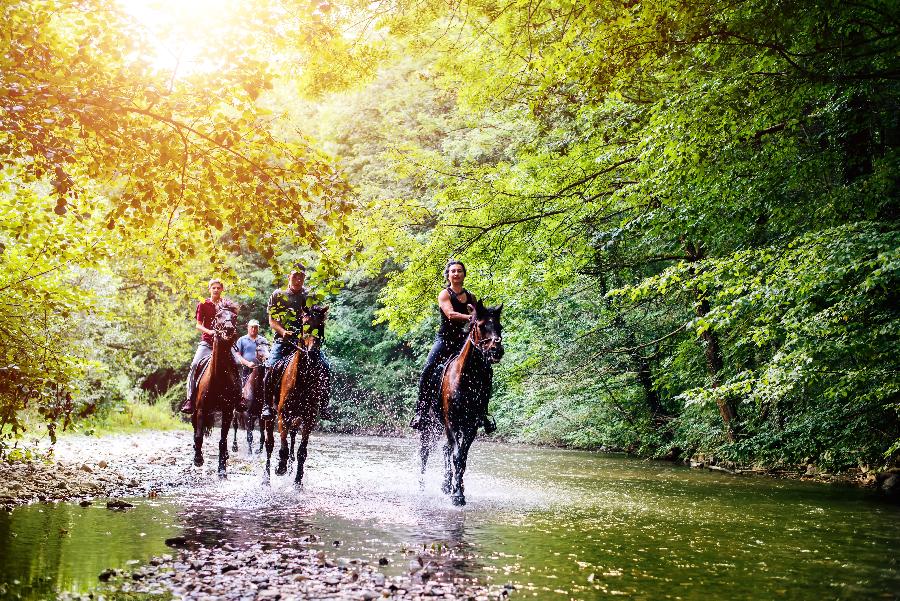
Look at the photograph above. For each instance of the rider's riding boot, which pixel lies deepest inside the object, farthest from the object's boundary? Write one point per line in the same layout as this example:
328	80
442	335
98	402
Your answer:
488	423
188	406
416	422
266	413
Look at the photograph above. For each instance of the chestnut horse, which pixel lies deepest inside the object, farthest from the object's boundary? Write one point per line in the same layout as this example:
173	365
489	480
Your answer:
465	389
302	392
218	387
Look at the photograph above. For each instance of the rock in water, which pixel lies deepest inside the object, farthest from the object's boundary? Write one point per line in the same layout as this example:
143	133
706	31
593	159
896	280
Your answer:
176	542
118	504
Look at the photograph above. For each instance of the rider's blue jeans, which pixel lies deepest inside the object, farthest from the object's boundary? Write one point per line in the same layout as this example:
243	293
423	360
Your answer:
280	350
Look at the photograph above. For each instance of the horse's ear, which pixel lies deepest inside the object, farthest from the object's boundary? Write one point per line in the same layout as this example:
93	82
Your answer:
499	309
325	310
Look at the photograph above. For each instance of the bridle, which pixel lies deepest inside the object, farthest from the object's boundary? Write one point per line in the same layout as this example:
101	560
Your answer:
223	319
483	344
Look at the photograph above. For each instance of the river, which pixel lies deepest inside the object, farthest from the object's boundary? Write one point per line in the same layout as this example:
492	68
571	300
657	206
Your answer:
556	524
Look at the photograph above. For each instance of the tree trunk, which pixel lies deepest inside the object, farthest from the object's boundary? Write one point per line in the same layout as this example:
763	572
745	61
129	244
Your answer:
713	352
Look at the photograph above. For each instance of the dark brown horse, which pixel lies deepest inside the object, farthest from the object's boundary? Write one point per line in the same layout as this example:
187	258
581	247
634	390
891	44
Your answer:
303	391
246	415
465	389
218	387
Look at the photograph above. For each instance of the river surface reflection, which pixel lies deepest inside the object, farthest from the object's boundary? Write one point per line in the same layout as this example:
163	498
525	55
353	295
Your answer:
556	524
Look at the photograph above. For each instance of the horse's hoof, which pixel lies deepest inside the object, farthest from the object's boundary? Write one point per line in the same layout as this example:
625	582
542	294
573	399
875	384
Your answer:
266	481
298	484
281	470
223	475
234	448
198	460
458	500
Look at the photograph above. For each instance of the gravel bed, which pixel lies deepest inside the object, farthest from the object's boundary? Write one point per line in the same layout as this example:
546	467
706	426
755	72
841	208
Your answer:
207	574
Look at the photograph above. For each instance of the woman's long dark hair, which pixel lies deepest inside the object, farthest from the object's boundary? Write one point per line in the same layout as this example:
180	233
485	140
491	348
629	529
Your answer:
450	264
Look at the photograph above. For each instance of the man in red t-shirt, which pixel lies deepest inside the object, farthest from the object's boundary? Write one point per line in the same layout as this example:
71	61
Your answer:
206	313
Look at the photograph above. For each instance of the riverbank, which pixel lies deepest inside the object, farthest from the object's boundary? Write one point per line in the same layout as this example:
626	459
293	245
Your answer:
116	465
886	482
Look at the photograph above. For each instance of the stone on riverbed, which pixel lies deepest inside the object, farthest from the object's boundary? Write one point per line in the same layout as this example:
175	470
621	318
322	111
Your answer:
277	575
118	504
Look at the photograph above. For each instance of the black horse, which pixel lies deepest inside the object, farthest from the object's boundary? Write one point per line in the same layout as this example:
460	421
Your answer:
302	392
218	386
463	395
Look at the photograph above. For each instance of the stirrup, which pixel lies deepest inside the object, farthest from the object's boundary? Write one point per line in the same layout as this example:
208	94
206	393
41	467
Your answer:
416	422
266	413
188	407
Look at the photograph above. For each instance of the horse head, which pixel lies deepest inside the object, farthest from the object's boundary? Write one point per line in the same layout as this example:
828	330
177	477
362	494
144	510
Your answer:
487	331
314	323
225	321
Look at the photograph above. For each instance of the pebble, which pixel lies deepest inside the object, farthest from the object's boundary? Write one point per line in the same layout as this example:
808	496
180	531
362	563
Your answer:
297	577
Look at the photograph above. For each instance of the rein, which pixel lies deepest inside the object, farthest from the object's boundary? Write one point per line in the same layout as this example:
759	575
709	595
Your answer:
475	334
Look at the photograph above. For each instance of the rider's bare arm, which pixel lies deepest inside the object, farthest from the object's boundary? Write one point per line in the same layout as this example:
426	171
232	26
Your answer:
273	323
204	329
447	307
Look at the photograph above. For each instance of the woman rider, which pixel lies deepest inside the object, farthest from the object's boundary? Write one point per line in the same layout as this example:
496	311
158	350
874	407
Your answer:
455	305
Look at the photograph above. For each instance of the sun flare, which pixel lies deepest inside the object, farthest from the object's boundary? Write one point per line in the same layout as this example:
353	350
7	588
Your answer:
182	34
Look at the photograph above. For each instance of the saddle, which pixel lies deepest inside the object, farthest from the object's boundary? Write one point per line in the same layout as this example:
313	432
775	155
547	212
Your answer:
273	377
194	376
433	387
199	370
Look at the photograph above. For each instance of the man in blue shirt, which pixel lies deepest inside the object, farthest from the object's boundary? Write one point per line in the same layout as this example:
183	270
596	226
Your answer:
252	349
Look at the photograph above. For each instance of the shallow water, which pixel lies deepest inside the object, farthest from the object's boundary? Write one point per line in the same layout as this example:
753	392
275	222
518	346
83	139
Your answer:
556	524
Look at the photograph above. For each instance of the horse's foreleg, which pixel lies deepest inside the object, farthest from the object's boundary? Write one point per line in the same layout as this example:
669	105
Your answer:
460	457
227	416
251	422
197	421
425	449
262	435
283	451
301	452
293	442
448	465
234	446
270	444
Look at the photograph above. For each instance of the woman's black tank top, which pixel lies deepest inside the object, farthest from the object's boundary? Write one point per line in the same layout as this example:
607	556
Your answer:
452	330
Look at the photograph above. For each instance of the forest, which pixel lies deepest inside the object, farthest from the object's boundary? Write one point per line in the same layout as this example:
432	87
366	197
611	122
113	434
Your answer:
689	210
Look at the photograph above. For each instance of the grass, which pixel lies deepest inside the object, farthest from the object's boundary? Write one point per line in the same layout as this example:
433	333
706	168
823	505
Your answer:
140	414
137	416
